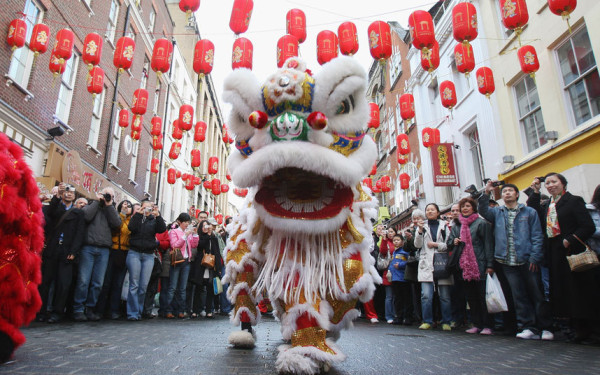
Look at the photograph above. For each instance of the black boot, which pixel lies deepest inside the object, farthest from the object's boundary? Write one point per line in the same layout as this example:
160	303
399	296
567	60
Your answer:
247	327
6	347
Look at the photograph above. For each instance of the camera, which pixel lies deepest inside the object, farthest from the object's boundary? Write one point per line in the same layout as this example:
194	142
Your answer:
70	188
542	179
498	183
472	190
107	197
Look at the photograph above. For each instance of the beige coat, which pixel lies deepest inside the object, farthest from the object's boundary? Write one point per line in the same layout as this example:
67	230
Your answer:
426	254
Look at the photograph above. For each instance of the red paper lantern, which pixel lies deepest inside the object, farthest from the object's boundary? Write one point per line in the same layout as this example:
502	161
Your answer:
213	165
92	50
529	60
240	192
430	58
17	33
140	101
435	136
427	137
39	38
171	176
420	25
190	184
327	46
95	81
197	180
287	46
219	217
563	8
464	22
514	14
189	6
240	16
485	81
348	38
200	131
175	150
378	186
136	124
216	186
407	107
374	119
154	165
162	53
123	57
295	24
402	159
224	188
368	182
177	132
178	174
63	49
404	181
186	117
380	40
157	143
448	94
196	161
57	66
207	184
123	118
242	54
135	135
373	170
228	177
464	58
204	57
156	126
403	144
386	184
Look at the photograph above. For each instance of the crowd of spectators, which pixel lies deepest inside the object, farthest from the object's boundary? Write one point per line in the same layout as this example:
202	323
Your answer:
440	265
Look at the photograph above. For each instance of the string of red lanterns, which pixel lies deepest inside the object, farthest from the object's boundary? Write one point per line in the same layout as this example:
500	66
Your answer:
348	38
327	46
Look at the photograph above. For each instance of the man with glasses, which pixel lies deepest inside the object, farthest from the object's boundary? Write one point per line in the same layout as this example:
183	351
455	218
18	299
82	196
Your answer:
102	217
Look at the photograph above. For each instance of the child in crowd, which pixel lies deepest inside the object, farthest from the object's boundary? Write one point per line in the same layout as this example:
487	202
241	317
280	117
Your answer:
400	287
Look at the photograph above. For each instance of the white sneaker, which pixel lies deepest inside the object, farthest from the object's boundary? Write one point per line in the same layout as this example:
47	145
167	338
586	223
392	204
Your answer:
203	313
374	320
547	335
390	321
528	335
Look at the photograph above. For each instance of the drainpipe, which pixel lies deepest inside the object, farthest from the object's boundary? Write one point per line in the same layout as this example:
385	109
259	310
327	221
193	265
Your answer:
111	123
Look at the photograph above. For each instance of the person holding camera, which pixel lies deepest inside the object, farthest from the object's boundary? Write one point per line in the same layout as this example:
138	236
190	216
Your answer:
203	274
62	248
143	227
101	218
574	295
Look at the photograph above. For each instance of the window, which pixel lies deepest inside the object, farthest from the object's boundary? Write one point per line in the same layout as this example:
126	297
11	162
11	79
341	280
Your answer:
144	80
530	113
96	119
156	97
111	28
148	174
134	159
475	149
580	76
151	21
65	93
116	141
22	59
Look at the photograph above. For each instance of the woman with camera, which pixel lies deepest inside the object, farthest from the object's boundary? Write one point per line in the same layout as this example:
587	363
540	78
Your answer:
144	226
430	237
568	225
206	268
183	238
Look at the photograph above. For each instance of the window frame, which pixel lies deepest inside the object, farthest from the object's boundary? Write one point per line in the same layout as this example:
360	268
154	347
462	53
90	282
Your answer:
116	142
111	27
96	120
475	150
134	160
67	83
28	64
531	112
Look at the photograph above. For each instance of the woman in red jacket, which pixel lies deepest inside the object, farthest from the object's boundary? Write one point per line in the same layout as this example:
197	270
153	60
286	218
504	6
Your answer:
386	250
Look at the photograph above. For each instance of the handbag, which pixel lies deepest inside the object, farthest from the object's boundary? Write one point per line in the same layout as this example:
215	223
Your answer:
176	256
412	268
383	262
217	286
583	261
208	261
440	262
157	268
454	257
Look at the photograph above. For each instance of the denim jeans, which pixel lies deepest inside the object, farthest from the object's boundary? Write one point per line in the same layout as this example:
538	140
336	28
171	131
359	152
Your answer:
427	302
177	285
528	296
390	314
92	267
140	267
164	296
225	304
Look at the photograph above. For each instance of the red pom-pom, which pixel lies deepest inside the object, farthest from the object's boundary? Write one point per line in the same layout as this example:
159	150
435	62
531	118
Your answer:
258	119
317	120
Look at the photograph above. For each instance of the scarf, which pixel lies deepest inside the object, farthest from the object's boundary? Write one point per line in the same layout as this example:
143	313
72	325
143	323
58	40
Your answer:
552	227
433	227
468	262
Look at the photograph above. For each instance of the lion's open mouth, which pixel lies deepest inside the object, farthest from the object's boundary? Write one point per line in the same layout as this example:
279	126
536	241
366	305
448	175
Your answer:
297	194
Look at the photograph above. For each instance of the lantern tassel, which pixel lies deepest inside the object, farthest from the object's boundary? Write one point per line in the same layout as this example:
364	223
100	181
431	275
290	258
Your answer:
566	16
519	30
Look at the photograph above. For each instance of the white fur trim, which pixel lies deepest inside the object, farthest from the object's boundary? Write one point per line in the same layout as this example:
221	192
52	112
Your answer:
255	316
347	322
242	90
302	226
288	319
242	339
306	360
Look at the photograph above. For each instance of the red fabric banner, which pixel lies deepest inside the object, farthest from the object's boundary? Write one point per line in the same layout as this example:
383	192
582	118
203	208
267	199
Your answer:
444	169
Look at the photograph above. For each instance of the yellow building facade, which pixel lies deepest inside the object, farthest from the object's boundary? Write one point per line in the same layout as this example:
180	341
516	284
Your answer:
551	123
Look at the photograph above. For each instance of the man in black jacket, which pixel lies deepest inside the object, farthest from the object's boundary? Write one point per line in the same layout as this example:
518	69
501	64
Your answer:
101	218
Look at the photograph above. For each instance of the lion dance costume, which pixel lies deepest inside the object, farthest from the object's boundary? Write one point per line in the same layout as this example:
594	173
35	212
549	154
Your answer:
21	231
304	235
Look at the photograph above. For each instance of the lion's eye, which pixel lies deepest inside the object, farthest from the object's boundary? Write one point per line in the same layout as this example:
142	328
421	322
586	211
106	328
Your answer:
345	106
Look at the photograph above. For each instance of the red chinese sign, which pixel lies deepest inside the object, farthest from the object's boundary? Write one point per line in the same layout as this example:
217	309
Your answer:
444	170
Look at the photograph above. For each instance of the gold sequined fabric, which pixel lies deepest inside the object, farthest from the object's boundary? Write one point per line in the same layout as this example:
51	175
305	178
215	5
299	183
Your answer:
340	309
237	254
353	270
311	336
244	301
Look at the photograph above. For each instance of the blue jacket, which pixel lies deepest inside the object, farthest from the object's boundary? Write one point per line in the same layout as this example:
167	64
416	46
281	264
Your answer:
527	232
399	257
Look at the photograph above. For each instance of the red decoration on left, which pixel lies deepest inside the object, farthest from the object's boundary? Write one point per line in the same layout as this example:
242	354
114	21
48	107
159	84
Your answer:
95	81
240	16
17	32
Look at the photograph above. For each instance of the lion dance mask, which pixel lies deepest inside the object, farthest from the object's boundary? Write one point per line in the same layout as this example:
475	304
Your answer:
303	236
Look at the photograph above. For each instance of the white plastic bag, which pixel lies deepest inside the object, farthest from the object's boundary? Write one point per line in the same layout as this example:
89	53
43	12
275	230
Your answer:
494	297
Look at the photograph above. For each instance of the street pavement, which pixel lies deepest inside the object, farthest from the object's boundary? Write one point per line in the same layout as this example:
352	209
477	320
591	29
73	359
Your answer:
200	347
